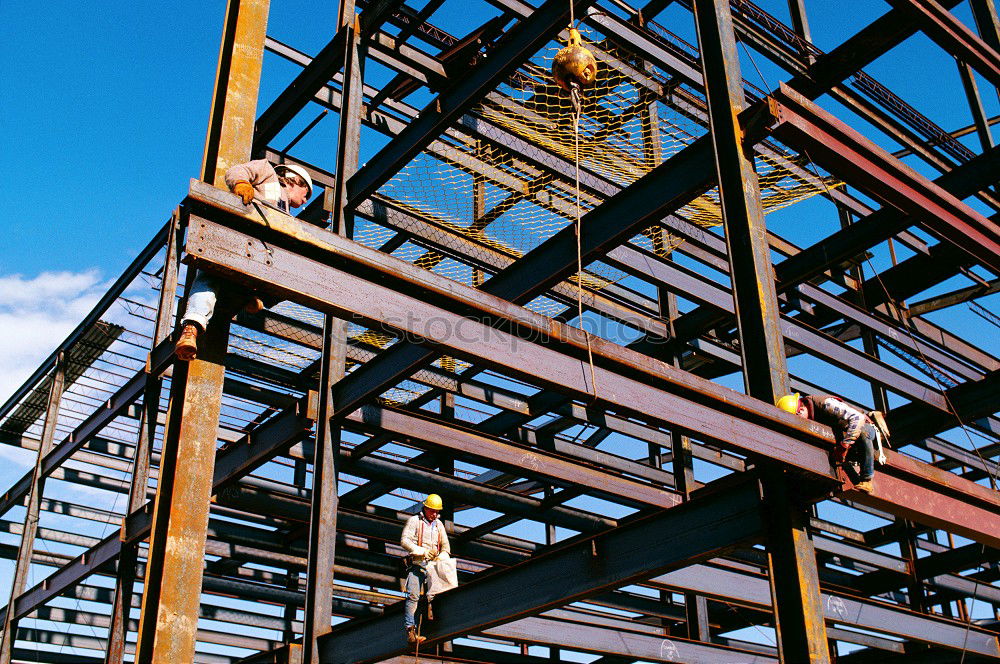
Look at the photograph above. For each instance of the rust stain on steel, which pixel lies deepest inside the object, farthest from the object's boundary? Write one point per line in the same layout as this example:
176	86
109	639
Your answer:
180	594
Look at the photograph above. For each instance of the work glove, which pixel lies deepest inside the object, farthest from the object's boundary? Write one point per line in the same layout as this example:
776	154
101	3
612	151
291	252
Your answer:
838	455
244	190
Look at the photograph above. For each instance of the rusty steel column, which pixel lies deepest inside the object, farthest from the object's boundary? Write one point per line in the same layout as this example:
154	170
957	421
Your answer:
793	576
237	80
800	23
171	596
979	116
26	550
172	588
325	500
122	603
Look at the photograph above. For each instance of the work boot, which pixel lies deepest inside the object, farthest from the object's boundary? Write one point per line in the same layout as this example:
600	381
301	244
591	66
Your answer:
867	486
413	638
187	345
254	305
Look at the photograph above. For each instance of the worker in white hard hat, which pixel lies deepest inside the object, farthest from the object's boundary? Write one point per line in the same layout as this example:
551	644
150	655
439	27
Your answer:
285	186
424	539
850	425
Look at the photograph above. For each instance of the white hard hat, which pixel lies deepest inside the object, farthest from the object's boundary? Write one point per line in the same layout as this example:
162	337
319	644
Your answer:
280	169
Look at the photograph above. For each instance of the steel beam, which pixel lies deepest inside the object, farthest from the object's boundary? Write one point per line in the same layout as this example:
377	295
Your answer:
843	151
237	80
310	282
791	558
27	545
751	589
177	543
709	523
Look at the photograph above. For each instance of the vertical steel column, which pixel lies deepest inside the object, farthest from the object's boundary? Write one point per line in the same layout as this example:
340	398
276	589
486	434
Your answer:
325	501
237	80
122	602
26	550
800	20
979	117
172	589
794	580
761	343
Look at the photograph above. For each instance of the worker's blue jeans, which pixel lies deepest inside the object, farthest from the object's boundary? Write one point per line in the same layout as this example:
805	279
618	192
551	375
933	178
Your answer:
201	301
416	581
863	451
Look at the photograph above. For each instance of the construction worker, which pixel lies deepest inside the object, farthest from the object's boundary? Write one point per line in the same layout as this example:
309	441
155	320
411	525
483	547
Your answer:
849	425
285	186
424	539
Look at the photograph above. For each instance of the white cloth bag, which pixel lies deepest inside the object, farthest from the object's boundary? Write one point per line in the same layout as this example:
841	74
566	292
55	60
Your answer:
442	575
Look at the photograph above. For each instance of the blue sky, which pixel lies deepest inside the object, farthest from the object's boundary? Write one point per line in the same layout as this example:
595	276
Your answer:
105	108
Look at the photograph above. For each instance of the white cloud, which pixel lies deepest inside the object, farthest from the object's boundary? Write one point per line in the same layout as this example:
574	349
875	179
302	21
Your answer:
36	314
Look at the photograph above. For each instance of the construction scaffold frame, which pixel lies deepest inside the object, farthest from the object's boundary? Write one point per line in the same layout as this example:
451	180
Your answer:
608	497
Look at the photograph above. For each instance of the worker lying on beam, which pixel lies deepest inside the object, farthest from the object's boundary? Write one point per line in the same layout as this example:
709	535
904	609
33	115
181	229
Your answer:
426	542
286	186
849	425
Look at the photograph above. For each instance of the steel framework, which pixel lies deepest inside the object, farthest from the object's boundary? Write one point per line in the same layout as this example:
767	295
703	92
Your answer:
609	498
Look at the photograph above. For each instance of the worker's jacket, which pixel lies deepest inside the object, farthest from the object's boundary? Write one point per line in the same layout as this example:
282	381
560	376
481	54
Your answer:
260	174
424	540
846	421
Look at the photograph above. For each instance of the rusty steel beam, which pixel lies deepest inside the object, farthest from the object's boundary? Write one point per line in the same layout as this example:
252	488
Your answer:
953	36
791	558
237	81
171	586
698	411
848	154
713	522
749	589
534	461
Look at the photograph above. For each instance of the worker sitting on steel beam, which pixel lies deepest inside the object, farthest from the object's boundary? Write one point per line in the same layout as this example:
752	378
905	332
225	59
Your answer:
286	186
849	425
425	540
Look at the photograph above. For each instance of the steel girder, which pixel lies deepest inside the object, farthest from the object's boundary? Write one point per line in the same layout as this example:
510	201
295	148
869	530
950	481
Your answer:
546	365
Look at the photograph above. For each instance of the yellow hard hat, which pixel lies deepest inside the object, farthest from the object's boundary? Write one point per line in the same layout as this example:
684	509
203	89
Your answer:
789	403
433	501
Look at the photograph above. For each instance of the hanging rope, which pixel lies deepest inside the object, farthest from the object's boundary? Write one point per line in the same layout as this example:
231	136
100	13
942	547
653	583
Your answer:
574	68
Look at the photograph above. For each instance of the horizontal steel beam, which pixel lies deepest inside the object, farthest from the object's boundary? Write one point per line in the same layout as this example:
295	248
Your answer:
713	522
125	396
747	588
846	153
650	397
531	461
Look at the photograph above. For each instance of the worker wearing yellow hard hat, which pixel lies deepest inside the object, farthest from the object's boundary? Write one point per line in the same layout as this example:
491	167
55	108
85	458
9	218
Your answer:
424	539
850	425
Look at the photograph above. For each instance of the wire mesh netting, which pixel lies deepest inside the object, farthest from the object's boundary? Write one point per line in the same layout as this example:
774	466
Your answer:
633	118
